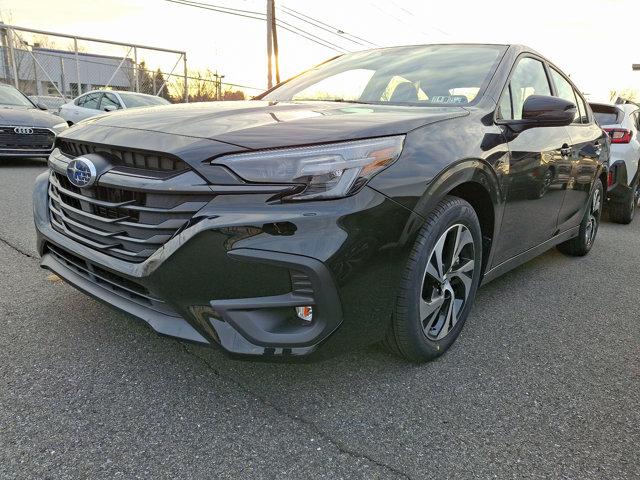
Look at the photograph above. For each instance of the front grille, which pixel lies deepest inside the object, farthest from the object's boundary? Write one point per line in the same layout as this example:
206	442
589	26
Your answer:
41	139
121	222
129	158
110	281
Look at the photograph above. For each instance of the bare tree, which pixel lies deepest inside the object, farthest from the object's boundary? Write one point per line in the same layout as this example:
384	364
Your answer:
626	93
204	87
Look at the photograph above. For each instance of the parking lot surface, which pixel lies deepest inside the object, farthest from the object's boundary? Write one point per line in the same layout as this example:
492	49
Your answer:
544	382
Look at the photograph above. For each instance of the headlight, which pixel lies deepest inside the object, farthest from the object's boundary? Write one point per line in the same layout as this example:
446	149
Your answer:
326	171
60	127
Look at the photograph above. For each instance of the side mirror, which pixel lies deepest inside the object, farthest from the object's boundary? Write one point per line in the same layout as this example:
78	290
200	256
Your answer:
110	108
544	111
41	106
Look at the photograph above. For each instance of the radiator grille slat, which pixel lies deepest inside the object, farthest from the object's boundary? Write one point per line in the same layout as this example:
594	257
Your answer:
41	140
135	159
118	221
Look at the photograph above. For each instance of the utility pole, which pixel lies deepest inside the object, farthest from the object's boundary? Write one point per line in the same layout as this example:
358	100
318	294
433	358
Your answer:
274	37
272	44
269	43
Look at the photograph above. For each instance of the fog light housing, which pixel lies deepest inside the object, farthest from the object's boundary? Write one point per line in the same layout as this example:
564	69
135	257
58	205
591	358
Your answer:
305	313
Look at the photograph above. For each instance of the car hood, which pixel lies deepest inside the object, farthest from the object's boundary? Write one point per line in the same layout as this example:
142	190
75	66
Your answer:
28	117
259	124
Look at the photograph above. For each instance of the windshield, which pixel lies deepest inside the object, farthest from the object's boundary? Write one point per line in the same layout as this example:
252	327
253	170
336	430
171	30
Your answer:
49	102
131	100
422	75
11	96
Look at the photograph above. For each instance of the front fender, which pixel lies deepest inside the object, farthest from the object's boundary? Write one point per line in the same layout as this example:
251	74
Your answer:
465	171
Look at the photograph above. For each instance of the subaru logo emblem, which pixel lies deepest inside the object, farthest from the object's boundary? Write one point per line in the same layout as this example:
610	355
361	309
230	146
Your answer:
23	130
81	172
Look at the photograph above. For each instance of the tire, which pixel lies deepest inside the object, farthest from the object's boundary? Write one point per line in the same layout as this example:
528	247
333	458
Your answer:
623	212
433	302
580	245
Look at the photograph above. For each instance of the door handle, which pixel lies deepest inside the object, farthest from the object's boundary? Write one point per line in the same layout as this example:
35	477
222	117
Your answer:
565	150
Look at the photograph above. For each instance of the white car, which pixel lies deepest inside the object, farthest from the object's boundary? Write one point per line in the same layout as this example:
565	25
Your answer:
97	102
622	122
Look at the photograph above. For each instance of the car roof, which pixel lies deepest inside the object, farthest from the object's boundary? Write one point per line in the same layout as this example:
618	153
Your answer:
604	104
136	94
117	92
515	46
625	107
628	107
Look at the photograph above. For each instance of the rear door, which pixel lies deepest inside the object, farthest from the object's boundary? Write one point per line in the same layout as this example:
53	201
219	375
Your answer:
587	143
538	166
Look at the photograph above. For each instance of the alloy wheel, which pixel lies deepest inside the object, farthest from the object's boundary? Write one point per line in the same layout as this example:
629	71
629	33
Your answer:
594	214
447	281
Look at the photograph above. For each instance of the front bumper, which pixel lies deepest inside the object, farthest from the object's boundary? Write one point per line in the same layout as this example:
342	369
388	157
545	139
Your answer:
236	274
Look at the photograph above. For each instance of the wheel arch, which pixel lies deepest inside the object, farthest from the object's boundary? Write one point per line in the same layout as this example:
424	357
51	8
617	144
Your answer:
476	182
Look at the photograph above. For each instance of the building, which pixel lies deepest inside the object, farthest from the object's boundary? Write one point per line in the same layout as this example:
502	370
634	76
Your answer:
47	71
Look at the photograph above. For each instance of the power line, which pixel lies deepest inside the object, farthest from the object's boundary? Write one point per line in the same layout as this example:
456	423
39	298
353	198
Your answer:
206	6
410	25
410	14
326	27
262	17
399	20
330	26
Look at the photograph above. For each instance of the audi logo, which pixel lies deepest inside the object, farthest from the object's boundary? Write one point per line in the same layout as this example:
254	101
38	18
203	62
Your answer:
23	130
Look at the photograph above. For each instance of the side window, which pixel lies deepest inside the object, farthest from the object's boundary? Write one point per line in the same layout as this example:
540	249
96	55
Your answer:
109	99
91	100
80	100
565	91
582	108
505	105
529	78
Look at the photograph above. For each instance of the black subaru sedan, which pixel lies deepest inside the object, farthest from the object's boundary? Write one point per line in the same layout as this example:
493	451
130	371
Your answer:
364	200
26	128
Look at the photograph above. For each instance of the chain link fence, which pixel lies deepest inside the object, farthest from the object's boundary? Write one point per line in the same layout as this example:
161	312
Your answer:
50	65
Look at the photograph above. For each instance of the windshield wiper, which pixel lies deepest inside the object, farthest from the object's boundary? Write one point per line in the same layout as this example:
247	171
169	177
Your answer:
336	100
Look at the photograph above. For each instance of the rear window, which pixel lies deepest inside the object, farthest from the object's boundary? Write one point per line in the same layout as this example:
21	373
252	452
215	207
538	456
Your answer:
606	114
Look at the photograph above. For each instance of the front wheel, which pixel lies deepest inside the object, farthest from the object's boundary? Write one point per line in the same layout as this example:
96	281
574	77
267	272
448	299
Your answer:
580	245
439	283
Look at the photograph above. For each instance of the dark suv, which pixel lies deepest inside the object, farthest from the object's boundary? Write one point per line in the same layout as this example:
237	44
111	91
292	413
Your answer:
362	200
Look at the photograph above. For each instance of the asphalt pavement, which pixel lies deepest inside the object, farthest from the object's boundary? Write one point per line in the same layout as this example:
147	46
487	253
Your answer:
544	382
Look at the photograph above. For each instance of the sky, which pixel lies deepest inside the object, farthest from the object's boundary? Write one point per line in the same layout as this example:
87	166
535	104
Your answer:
594	41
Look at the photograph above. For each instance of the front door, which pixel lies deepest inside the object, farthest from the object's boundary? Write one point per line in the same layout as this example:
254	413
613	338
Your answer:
89	105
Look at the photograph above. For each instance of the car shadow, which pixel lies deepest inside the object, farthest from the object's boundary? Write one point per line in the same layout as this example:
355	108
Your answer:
347	371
